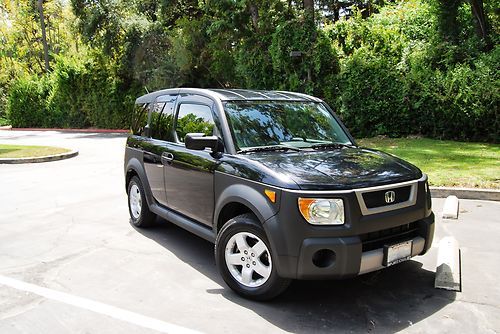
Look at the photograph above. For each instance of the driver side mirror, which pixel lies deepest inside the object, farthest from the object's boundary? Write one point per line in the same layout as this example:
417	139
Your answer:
199	141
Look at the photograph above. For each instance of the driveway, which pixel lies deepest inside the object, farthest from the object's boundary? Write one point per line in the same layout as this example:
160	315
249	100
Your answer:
70	262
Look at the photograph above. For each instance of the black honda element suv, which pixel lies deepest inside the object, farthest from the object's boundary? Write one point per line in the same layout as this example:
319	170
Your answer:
277	182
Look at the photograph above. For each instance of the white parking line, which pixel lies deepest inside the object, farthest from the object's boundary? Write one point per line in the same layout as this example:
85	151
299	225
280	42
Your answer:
97	307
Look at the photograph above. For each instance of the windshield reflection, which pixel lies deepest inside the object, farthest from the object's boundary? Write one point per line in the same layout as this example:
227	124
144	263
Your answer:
270	123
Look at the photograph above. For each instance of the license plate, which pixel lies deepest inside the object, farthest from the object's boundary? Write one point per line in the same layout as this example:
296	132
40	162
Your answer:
397	253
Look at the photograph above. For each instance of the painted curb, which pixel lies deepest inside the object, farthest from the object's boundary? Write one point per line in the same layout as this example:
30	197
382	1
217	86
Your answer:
46	158
466	193
6	127
123	131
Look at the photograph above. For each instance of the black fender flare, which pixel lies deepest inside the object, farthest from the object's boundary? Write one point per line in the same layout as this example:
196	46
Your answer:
136	166
248	196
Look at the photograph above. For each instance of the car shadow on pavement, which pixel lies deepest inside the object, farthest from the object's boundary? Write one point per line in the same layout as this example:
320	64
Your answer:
389	300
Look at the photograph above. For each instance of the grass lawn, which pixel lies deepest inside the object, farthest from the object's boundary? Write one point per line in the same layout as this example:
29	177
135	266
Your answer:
448	163
20	151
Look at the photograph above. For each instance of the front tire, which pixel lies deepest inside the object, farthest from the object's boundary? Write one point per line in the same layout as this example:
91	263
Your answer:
245	259
140	216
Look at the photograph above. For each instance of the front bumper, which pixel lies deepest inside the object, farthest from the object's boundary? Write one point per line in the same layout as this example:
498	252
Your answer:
304	251
350	259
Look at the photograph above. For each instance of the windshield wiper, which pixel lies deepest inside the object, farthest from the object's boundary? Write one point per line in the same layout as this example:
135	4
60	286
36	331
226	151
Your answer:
268	149
330	145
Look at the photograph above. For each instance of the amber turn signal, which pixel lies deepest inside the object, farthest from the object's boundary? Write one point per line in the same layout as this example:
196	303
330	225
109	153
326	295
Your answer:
304	204
271	195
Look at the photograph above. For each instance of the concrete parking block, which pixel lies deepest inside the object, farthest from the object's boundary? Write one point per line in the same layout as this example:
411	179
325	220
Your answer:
450	208
448	265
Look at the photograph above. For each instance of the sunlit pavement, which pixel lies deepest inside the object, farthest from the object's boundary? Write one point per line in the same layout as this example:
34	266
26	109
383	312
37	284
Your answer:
64	230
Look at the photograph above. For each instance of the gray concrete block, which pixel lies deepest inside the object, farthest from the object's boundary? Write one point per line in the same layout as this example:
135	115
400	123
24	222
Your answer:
450	208
448	275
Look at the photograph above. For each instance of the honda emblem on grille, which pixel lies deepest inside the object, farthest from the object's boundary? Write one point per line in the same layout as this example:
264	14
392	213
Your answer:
390	196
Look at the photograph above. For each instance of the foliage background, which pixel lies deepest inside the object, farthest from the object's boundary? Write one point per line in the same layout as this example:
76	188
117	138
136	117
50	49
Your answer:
397	68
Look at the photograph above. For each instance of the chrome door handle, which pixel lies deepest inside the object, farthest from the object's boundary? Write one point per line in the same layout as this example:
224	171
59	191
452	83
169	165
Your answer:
167	157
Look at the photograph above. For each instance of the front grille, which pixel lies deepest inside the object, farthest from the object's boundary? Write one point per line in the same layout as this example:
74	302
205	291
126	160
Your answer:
378	239
377	199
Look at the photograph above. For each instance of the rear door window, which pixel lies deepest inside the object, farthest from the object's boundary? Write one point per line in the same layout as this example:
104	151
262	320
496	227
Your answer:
162	117
139	118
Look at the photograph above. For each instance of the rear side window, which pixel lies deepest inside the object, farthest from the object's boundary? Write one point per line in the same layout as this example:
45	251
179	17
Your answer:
162	116
139	118
194	118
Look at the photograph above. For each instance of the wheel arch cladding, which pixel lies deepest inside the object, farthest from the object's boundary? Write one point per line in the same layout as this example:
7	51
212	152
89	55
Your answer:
237	199
135	168
129	175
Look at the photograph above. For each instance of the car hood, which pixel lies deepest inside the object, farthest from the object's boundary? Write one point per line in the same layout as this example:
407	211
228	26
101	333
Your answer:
338	169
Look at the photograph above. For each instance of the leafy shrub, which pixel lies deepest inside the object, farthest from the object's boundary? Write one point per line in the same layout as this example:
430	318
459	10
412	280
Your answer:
372	96
314	70
398	78
459	103
73	95
27	103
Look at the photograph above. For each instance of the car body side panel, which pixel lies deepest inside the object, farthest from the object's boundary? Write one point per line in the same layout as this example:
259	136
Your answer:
189	183
151	163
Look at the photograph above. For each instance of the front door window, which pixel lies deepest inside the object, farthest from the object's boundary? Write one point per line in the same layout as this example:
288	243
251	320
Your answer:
194	118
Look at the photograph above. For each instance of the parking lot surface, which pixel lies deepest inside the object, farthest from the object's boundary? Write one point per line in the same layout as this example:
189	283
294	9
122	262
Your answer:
70	262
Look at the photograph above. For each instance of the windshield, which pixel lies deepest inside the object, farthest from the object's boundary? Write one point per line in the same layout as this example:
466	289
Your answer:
291	124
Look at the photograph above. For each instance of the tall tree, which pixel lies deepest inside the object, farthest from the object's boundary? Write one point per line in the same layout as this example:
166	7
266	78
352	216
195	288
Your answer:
44	35
482	26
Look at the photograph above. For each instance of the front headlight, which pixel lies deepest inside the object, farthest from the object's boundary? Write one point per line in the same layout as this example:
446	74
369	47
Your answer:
321	211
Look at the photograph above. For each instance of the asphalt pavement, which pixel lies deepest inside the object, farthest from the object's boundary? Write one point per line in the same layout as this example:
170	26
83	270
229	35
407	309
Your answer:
70	262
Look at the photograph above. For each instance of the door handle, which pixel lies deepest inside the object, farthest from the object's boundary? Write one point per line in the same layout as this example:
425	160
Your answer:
167	157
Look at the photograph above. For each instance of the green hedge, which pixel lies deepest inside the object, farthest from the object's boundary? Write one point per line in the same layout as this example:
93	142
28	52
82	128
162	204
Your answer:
397	78
391	74
27	103
72	96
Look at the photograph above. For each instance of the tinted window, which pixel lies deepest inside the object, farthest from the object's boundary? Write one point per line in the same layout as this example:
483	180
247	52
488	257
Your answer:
162	118
139	119
194	118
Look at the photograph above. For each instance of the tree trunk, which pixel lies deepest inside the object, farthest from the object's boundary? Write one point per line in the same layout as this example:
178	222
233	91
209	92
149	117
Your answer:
480	18
254	13
309	8
44	35
336	11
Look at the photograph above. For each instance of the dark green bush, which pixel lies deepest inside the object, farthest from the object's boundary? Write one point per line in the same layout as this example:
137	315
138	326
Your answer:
398	78
72	96
400	72
27	103
372	96
66	95
458	103
312	72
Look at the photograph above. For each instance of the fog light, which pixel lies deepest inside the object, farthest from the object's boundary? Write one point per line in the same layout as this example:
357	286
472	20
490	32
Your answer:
323	258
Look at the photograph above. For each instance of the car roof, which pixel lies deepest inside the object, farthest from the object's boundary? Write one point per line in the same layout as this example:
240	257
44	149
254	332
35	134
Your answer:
231	95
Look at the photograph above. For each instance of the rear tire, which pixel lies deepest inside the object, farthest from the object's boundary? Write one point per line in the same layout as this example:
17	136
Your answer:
138	208
245	259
